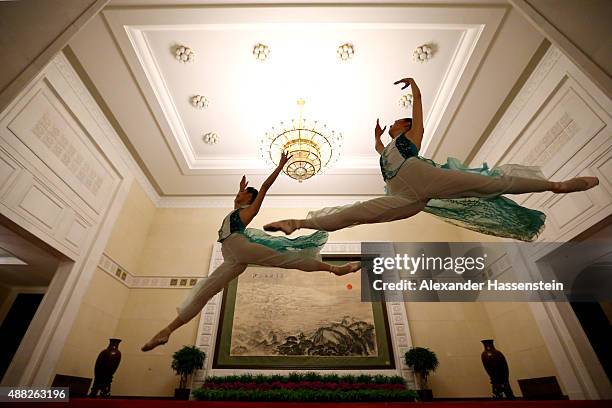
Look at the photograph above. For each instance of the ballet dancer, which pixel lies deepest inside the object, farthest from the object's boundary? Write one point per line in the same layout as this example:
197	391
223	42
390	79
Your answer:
468	197
243	246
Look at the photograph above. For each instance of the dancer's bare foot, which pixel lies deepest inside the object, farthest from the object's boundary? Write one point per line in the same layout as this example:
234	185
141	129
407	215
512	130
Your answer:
287	226
575	184
347	268
157	340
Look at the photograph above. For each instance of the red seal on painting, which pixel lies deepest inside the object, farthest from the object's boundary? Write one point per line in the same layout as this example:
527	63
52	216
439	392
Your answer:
349	286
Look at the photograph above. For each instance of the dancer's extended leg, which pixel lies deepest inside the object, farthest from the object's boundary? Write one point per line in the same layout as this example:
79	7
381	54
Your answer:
382	209
256	254
197	298
446	183
240	252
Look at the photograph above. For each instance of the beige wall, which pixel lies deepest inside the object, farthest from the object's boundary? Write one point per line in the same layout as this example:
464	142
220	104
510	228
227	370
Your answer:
178	241
105	298
516	334
453	331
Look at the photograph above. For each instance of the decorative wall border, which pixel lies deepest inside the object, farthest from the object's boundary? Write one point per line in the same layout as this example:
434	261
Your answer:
208	325
131	281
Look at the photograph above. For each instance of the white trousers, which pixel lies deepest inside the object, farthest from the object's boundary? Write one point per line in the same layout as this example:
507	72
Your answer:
416	183
238	253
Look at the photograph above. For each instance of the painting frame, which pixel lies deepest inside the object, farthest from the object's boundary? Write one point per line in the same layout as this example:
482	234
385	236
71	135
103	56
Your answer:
222	359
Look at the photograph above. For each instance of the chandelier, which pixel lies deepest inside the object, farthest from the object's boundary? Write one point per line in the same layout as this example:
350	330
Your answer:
312	146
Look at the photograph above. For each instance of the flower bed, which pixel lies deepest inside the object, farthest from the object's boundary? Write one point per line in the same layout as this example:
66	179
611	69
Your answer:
305	387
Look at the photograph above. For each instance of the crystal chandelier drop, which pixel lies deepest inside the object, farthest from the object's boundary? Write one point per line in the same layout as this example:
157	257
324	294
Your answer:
312	146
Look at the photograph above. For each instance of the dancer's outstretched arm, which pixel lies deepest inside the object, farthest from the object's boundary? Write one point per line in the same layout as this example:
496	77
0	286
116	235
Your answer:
416	131
247	214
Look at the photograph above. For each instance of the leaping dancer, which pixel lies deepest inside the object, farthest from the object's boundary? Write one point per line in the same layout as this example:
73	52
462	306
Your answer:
243	246
468	197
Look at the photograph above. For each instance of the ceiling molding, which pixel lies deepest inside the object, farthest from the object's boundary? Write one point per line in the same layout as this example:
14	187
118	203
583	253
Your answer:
189	173
181	144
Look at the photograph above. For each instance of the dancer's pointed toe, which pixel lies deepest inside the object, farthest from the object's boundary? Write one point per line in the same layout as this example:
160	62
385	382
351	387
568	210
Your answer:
347	268
286	226
576	184
159	339
272	227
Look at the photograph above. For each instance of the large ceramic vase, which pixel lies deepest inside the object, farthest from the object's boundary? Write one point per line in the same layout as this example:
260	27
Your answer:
496	366
106	364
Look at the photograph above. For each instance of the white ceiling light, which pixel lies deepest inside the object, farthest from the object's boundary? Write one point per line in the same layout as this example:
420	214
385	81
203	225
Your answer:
423	53
211	138
405	101
184	54
261	51
345	51
199	101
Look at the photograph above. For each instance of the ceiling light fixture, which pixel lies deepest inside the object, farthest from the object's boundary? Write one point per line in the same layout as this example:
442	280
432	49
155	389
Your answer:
312	146
405	101
423	53
199	101
345	51
261	51
184	54
211	138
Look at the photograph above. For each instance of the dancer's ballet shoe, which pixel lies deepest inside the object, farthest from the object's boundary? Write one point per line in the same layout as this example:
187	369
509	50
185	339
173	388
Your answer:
287	226
576	184
347	268
157	340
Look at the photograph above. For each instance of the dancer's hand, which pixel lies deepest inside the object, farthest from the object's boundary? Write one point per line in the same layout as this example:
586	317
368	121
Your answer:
378	132
406	81
409	82
243	184
284	159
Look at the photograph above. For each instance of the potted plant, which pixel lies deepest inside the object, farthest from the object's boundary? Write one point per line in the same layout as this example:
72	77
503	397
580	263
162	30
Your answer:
184	363
422	361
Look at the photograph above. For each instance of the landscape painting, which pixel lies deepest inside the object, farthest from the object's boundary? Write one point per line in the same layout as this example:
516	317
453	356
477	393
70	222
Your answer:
276	318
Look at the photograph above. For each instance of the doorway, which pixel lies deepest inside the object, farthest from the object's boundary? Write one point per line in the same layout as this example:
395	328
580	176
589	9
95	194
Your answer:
27	267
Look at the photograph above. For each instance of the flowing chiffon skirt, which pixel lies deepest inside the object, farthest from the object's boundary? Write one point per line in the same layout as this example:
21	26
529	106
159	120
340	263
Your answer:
308	246
499	216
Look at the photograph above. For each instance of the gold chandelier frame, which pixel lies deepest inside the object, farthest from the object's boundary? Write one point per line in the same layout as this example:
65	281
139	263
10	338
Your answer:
311	146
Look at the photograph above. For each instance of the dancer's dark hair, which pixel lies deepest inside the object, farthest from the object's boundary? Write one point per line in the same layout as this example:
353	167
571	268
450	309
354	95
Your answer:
408	120
253	192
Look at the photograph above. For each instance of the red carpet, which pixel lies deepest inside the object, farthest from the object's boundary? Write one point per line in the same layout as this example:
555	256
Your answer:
151	403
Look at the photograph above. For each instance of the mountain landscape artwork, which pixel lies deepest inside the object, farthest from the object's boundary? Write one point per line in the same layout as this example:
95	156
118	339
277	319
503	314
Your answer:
292	313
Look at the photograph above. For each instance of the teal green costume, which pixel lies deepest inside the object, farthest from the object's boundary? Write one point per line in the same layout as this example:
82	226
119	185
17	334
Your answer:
305	245
499	215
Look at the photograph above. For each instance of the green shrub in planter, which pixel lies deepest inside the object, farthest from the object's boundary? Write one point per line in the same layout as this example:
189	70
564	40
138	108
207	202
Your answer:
422	361
184	363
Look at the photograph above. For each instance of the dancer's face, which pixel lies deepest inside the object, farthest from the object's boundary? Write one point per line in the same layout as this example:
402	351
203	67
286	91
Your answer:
400	126
244	198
